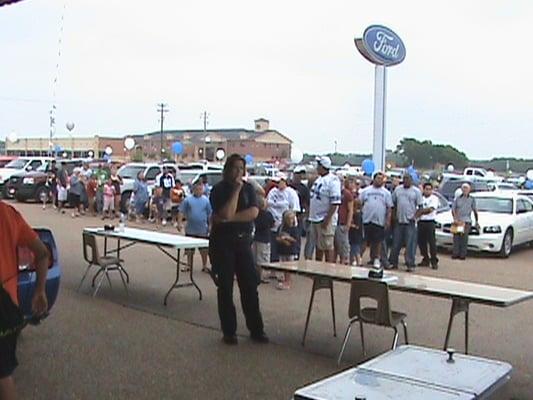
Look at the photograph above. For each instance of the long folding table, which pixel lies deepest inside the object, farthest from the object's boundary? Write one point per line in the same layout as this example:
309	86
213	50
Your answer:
461	293
413	373
165	242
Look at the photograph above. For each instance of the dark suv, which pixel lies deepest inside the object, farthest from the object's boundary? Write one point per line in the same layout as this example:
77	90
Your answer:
448	188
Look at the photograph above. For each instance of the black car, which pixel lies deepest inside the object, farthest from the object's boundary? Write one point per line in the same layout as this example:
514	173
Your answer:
448	188
28	186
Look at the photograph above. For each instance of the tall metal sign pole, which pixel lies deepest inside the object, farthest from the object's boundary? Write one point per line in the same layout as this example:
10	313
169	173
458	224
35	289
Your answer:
384	48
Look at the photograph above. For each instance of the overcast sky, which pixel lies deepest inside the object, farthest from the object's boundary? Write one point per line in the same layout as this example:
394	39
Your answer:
466	79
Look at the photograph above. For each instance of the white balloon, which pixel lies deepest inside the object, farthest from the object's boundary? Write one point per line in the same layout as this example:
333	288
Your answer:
529	174
108	150
13	137
297	155
70	126
91	153
129	143
450	168
220	154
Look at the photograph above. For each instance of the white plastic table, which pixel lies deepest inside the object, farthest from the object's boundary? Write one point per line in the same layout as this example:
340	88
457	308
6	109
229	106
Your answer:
162	241
413	373
461	293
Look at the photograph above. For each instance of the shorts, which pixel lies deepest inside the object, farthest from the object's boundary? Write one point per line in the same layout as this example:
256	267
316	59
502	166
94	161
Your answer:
342	242
374	233
8	358
324	237
261	252
109	203
75	200
355	250
189	251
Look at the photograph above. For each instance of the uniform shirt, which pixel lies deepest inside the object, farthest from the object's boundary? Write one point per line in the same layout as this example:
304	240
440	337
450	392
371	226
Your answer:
431	201
220	195
166	182
14	232
325	192
197	211
346	198
463	207
406	202
278	202
375	202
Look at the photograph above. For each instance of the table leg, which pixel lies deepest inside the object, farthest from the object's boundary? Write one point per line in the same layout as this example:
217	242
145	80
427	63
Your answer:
309	311
105	245
177	277
458	306
320	283
192	279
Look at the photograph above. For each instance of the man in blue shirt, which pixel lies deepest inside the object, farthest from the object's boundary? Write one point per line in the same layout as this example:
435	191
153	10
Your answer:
196	210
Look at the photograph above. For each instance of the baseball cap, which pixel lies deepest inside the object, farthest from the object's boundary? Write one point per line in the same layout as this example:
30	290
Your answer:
299	169
325	161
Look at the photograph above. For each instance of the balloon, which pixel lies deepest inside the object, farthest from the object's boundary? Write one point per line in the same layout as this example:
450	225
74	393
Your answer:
58	149
108	150
450	168
177	148
528	185
220	154
249	159
297	155
91	153
129	143
13	137
368	166
529	174
70	126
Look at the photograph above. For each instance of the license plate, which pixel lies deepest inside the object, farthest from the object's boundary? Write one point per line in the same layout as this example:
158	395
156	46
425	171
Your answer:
11	191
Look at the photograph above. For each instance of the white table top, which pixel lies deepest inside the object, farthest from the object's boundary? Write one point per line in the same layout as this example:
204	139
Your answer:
152	237
410	282
412	372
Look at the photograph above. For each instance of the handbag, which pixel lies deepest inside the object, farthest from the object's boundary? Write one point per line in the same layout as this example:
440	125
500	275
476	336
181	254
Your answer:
11	318
457	229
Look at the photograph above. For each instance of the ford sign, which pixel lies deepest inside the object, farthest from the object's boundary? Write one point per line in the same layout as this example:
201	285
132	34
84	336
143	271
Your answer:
381	46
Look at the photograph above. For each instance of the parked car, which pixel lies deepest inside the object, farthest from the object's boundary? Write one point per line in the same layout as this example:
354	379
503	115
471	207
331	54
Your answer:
27	278
6	159
28	186
501	186
506	220
19	165
448	188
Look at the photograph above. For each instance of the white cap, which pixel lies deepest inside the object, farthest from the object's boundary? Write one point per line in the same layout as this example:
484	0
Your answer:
325	161
299	169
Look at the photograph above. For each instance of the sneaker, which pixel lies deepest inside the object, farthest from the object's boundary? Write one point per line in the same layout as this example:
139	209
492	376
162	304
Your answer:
260	338
410	268
231	340
423	263
164	222
391	266
434	266
376	264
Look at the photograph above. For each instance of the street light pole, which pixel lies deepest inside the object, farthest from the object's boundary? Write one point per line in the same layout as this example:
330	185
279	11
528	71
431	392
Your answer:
205	117
162	109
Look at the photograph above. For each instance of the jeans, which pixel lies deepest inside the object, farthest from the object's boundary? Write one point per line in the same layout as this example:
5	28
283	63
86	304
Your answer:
233	257
426	237
404	234
310	243
460	242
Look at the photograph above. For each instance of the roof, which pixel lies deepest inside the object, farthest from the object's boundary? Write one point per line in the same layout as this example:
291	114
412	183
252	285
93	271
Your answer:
6	2
228	134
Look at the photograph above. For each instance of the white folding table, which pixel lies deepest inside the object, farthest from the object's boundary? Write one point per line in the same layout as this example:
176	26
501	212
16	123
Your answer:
461	293
162	241
413	373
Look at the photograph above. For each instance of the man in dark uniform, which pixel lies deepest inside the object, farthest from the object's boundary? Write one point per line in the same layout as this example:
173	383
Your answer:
235	207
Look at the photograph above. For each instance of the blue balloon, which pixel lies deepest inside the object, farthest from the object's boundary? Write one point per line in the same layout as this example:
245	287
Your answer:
249	159
368	166
528	185
177	148
58	148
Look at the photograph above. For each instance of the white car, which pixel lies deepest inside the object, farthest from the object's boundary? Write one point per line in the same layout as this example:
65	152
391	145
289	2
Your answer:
505	218
20	165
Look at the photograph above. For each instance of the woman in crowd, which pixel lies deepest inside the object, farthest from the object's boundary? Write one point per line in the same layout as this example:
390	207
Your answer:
116	180
140	190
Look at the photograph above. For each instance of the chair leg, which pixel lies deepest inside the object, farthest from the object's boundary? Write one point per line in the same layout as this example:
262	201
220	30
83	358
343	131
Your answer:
108	278
405	331
99	282
362	336
84	276
345	341
124	282
395	341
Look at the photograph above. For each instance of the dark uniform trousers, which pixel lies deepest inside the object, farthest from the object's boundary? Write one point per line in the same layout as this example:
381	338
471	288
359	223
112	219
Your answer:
230	257
426	237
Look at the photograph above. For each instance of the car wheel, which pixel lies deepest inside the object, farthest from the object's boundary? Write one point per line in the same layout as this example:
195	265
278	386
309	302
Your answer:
40	193
507	244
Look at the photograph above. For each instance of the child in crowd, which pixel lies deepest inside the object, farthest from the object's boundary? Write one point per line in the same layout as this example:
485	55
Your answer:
287	240
355	235
109	200
157	206
91	188
262	237
177	194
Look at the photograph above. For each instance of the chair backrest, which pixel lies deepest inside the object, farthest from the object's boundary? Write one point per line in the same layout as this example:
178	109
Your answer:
375	290
89	242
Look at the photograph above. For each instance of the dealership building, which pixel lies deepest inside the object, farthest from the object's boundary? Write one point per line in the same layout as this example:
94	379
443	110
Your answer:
263	143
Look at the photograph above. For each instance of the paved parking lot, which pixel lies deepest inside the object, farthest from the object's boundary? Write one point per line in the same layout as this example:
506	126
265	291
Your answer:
120	347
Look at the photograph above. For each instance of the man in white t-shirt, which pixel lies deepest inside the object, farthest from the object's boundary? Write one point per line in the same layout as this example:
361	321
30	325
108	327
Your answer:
324	203
426	227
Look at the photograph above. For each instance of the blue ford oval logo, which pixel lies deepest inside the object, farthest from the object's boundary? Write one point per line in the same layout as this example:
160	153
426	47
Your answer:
383	45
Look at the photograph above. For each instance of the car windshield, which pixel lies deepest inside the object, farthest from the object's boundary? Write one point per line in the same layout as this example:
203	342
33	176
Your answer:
494	205
130	171
187	177
19	163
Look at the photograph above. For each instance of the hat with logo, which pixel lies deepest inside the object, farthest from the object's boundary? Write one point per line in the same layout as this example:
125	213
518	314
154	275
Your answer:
325	161
300	169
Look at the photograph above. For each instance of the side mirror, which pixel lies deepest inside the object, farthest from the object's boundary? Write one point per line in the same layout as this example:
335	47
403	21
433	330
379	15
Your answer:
29	168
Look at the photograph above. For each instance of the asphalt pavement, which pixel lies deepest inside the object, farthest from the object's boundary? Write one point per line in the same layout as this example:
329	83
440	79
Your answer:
119	346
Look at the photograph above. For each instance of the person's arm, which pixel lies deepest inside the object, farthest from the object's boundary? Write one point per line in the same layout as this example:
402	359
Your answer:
227	211
454	211
334	192
247	215
42	260
349	215
474	210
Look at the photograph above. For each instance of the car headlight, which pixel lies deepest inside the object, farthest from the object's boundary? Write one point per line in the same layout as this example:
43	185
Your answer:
28	181
492	229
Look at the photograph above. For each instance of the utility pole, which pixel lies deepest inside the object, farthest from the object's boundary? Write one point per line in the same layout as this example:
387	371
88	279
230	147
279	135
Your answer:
162	109
205	117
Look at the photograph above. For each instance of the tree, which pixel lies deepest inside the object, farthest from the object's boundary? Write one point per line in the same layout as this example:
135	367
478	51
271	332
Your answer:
425	154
